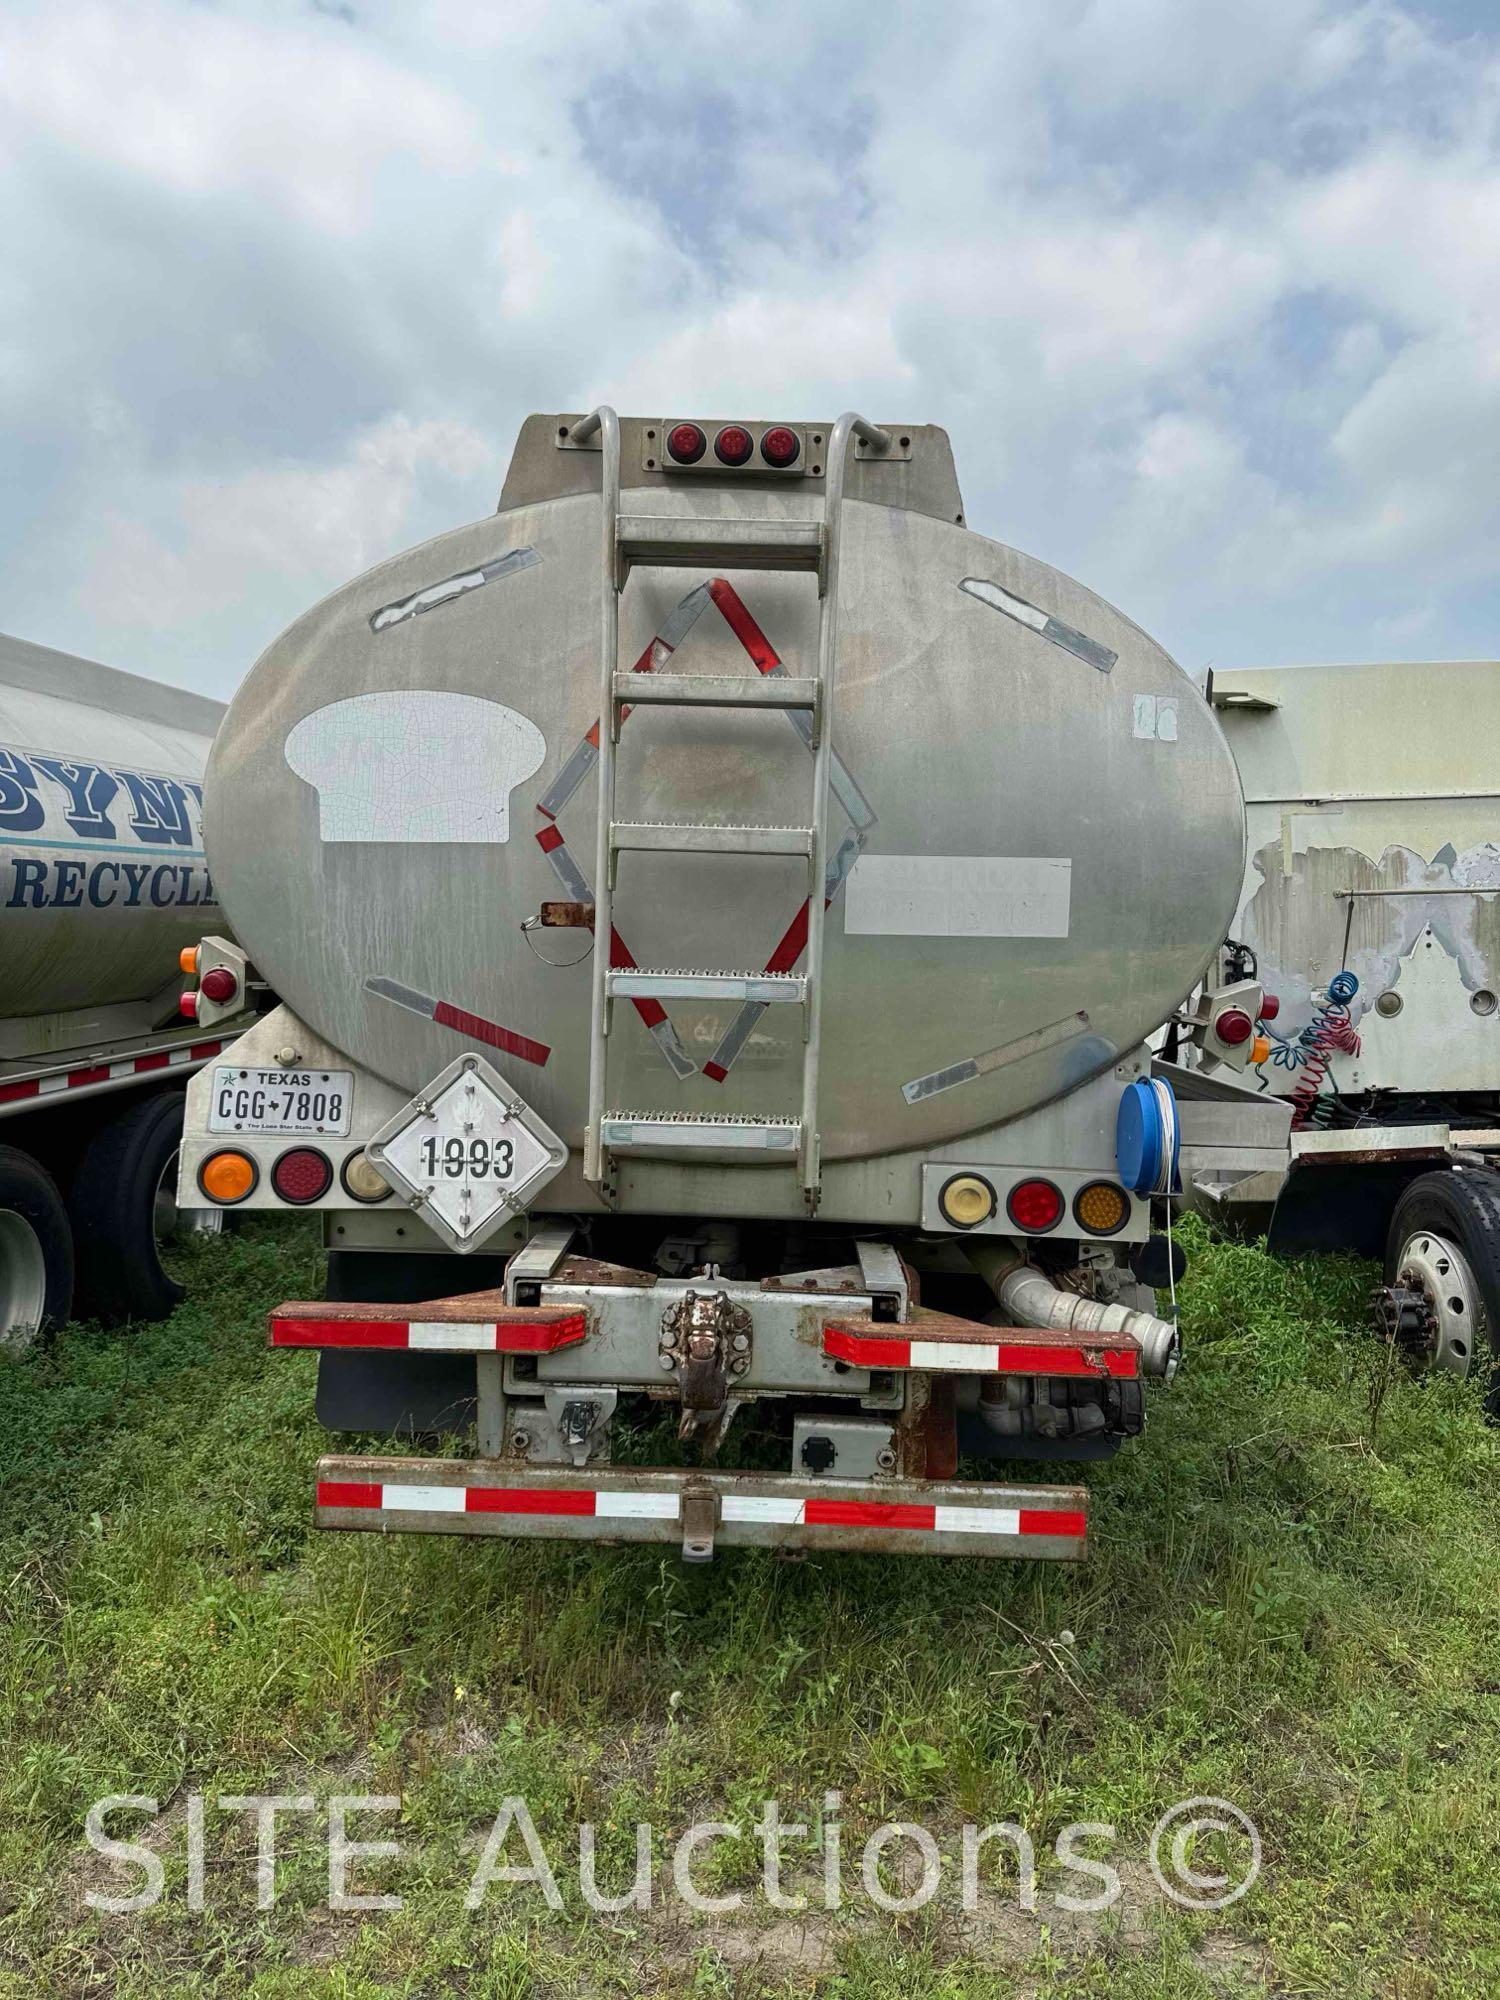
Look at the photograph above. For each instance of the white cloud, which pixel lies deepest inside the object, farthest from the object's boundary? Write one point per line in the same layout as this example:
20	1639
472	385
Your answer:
1204	295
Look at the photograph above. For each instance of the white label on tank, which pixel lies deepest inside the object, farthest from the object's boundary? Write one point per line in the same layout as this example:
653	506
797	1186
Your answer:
415	766
958	895
1156	717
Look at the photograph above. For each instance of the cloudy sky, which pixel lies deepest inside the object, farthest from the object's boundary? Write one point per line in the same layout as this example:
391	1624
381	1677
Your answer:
1206	292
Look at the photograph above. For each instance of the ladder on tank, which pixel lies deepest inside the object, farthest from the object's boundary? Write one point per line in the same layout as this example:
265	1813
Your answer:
650	541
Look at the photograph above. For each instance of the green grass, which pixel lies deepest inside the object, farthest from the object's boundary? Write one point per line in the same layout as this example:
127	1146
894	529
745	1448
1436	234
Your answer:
1291	1602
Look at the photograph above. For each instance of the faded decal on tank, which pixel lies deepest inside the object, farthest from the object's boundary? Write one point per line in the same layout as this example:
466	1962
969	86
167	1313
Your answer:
1306	924
446	1015
1153	717
958	896
973	1067
415	766
434	595
1067	636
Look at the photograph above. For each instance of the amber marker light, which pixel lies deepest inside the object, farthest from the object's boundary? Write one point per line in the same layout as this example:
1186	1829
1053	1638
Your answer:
228	1177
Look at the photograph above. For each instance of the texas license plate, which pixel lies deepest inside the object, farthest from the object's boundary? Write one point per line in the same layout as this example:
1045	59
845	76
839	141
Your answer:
287	1103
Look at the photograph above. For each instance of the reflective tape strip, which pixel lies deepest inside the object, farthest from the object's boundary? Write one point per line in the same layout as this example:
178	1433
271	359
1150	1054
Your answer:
782	1510
638	1506
977	1357
423	1499
94	1074
435	1336
1003	1357
747	1509
977	1520
460	1020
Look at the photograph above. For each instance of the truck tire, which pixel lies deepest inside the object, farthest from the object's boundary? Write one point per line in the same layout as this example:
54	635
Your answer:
125	1176
1444	1247
36	1251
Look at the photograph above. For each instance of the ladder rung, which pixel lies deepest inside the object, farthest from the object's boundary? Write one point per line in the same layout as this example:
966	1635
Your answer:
767	987
716	690
648	837
669	1132
656	542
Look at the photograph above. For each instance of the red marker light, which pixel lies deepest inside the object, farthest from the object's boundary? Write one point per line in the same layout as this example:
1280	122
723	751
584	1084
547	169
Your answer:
733	445
1234	1027
302	1175
686	444
1035	1206
187	1005
1270	1006
218	984
780	446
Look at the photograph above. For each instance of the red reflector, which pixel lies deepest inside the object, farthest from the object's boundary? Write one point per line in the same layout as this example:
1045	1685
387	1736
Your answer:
733	445
1053	1521
1035	1206
1270	1006
347	1493
187	1005
527	1500
780	446
218	984
302	1175
1233	1027
686	443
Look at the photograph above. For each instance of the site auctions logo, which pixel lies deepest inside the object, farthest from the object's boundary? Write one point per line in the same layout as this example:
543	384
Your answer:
900	1867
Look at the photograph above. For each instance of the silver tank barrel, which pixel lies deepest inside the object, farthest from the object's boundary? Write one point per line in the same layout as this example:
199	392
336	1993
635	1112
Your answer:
102	871
1035	834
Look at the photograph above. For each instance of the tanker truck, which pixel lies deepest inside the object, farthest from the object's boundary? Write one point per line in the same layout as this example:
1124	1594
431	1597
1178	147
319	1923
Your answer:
102	884
726	901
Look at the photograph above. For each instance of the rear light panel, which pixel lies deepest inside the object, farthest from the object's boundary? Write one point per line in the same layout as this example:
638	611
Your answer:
774	451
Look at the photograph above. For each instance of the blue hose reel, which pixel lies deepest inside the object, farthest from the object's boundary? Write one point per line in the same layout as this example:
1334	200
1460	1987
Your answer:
1148	1138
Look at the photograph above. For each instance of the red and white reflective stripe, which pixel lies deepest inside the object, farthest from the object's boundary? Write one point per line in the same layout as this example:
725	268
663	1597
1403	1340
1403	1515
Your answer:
90	1077
750	1510
433	1336
789	1512
980	1357
475	1026
499	1500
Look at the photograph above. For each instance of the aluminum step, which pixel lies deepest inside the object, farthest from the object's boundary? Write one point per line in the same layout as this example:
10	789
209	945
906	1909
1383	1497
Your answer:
653	837
652	1132
656	542
716	690
766	987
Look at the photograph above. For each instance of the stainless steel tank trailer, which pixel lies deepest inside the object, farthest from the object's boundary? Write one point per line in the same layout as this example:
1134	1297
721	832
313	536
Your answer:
102	880
783	1052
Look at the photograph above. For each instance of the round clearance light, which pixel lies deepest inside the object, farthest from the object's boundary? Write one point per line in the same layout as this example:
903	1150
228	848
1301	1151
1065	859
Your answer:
218	984
1101	1208
1234	1027
966	1201
301	1175
1270	1006
781	446
228	1177
686	444
1035	1206
187	960
187	1006
733	445
362	1179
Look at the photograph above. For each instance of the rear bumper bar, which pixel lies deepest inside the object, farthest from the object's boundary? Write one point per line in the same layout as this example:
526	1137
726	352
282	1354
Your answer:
697	1510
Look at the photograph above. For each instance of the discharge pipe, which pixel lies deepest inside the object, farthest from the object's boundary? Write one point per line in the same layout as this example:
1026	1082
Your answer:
1031	1299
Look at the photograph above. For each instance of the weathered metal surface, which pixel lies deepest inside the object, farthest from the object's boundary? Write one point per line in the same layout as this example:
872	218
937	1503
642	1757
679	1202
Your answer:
970	734
102	872
1373	802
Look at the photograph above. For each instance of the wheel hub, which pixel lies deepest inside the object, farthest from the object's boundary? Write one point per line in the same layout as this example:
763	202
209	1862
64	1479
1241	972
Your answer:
23	1281
1435	1290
